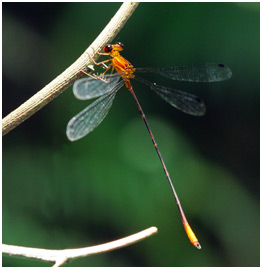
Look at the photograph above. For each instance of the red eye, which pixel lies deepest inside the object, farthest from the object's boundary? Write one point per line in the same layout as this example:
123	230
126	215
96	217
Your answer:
120	44
108	48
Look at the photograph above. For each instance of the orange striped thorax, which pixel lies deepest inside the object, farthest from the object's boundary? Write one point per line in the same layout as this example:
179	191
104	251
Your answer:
119	63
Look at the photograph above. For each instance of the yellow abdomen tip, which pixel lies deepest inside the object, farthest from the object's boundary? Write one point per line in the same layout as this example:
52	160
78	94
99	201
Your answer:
193	239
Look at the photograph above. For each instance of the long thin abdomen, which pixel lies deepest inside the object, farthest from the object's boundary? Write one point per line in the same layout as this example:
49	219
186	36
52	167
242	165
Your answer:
193	239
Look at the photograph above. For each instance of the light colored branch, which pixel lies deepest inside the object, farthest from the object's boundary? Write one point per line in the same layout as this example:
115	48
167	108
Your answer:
64	80
59	257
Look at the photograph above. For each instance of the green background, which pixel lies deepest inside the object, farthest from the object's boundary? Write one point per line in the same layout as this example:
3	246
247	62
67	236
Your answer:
110	184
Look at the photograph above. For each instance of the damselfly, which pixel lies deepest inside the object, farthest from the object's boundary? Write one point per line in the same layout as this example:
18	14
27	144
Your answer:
107	85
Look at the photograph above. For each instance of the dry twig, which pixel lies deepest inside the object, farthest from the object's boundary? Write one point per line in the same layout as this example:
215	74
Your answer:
64	80
59	257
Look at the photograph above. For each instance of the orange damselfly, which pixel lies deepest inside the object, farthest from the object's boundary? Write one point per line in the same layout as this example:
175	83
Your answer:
107	85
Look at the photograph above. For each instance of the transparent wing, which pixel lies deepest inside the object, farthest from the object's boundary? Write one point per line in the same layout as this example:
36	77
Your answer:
89	118
207	72
183	101
88	87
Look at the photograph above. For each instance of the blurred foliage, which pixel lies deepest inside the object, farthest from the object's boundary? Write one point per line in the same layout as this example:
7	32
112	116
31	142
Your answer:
58	194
